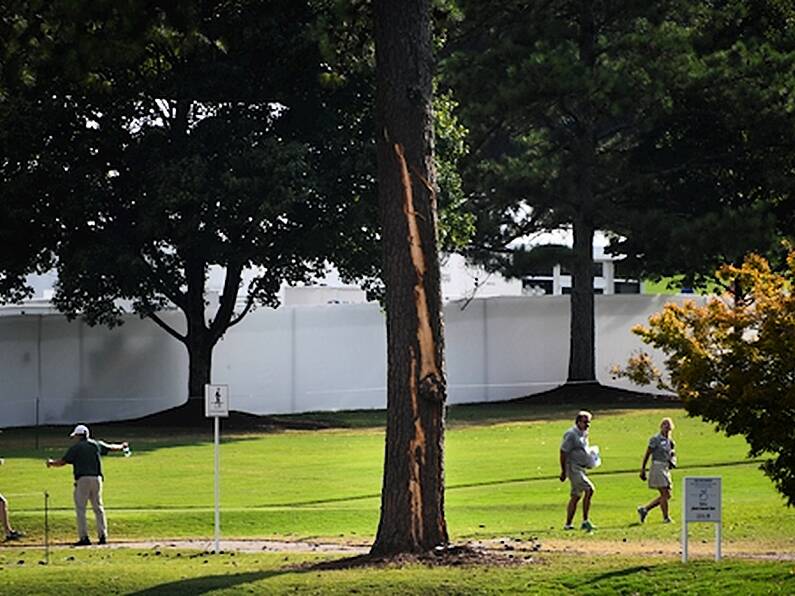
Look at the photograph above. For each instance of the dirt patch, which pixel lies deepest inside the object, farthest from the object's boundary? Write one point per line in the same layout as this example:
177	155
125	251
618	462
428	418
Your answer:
449	556
496	552
641	548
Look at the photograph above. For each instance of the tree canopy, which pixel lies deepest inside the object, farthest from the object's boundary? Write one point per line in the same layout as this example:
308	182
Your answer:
623	116
557	95
178	137
724	153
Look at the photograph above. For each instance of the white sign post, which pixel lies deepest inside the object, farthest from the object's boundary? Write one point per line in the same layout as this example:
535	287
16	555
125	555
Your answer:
216	405
702	503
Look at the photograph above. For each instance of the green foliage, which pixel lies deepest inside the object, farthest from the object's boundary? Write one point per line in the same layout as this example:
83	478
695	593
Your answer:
689	107
173	92
732	361
531	100
456	224
723	154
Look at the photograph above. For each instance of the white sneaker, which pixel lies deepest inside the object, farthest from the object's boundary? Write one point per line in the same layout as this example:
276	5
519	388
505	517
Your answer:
568	527
642	513
667	520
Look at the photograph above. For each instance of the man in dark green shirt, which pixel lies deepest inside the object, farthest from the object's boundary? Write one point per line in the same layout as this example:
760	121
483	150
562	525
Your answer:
85	455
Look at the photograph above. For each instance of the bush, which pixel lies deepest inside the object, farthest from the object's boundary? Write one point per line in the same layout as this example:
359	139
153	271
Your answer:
732	361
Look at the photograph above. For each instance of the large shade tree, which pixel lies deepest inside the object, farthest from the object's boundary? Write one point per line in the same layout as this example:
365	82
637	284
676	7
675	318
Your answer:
555	93
590	115
725	154
205	135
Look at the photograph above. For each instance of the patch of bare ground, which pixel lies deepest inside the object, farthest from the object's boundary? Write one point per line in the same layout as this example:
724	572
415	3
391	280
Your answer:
443	556
643	548
495	552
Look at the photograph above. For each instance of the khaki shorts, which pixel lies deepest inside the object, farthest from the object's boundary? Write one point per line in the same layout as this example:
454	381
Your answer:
659	475
579	481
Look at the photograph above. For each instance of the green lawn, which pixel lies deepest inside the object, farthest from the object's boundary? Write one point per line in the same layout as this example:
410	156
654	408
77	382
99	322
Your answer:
170	573
501	473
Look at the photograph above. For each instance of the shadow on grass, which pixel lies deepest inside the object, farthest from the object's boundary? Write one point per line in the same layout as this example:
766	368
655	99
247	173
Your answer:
209	583
557	404
619	573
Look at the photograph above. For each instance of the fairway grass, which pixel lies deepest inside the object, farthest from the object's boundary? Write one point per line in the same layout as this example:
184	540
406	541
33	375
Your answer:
501	473
176	572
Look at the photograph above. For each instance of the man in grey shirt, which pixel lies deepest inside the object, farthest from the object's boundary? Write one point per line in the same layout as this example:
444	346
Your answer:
574	460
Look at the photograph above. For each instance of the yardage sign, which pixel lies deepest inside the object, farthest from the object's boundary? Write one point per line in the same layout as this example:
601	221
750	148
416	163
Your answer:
702	499
216	401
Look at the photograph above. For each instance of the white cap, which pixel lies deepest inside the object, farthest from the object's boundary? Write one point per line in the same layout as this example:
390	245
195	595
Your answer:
80	429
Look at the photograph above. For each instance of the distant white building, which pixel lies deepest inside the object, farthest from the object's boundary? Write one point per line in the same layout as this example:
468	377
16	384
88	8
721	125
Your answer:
556	280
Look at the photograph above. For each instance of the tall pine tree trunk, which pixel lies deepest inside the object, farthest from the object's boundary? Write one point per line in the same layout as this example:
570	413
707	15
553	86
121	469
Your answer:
582	343
412	496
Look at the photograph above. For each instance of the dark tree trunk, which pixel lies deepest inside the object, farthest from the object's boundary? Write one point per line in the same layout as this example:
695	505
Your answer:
581	331
200	362
412	497
582	343
200	338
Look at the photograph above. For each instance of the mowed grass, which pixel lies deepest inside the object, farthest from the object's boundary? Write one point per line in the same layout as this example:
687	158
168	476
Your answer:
170	572
501	474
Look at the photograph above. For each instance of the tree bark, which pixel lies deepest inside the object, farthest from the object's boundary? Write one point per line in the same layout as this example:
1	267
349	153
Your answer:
412	496
582	342
200	362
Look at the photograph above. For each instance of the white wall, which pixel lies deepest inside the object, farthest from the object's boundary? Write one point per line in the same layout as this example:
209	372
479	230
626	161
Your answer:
296	359
311	295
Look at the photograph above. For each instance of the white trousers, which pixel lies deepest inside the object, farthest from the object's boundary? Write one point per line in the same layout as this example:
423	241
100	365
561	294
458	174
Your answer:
89	488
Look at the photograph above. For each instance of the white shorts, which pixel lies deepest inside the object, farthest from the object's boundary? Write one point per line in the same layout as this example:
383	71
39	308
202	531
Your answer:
659	475
579	480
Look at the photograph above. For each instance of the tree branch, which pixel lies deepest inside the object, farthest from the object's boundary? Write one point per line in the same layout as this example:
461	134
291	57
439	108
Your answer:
241	316
166	327
175	296
228	299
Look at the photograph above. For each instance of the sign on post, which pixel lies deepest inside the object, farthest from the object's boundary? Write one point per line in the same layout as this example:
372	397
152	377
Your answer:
216	406
702	503
216	401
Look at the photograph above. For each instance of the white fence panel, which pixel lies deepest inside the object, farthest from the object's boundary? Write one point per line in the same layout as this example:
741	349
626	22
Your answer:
296	359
